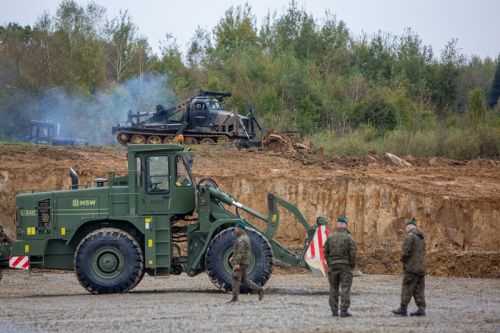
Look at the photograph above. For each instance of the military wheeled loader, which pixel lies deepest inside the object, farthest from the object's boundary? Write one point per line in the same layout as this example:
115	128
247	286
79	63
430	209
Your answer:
153	220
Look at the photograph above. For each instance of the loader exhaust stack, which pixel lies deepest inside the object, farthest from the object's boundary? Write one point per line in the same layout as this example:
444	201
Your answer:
74	179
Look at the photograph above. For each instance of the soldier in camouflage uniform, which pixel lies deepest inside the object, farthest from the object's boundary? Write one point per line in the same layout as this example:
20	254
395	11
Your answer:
413	259
340	254
240	261
5	244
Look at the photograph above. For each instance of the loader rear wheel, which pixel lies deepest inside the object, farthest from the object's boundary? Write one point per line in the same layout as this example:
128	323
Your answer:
109	261
220	251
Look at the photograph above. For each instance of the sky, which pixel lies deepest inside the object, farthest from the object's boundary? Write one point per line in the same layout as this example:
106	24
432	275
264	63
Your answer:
474	23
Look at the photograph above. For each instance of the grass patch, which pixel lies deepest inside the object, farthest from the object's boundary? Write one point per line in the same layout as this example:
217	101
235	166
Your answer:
458	140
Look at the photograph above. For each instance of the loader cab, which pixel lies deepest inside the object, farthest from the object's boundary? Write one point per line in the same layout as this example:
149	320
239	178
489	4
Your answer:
43	132
198	112
161	176
204	111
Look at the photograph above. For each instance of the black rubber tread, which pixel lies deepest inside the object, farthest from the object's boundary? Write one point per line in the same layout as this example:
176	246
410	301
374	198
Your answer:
126	244
138	280
222	242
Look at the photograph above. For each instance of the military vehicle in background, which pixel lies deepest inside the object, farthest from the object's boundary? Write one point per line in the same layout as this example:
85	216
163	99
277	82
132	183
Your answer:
47	133
199	119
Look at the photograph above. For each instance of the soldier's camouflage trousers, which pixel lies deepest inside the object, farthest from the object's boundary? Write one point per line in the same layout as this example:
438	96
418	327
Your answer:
340	276
413	286
240	277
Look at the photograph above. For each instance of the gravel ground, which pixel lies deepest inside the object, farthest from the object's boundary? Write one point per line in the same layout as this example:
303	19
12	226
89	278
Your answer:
55	302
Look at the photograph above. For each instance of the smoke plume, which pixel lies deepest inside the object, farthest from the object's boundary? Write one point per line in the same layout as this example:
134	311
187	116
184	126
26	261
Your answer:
88	117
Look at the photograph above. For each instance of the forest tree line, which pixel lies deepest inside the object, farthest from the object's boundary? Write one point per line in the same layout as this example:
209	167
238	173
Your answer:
347	93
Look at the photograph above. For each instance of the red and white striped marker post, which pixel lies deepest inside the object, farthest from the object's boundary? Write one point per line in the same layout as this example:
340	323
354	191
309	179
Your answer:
19	262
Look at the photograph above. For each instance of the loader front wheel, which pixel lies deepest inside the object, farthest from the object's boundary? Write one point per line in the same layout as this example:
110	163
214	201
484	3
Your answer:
219	269
109	261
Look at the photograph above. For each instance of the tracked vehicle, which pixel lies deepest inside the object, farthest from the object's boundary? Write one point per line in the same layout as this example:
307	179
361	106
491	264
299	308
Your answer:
153	220
200	119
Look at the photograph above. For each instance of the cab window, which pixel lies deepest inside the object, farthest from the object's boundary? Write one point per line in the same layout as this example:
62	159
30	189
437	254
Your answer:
213	105
182	177
158	175
138	172
44	132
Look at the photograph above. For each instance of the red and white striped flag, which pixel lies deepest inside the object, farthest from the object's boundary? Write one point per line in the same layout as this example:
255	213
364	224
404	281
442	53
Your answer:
315	256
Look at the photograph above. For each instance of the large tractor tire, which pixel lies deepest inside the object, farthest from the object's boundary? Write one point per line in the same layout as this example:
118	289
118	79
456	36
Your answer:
220	250
109	261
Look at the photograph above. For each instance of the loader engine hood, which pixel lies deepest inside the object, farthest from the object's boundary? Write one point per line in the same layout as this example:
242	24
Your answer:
39	214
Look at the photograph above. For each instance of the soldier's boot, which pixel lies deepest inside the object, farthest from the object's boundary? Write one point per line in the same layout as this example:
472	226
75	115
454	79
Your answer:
418	313
402	311
335	313
233	299
345	313
261	294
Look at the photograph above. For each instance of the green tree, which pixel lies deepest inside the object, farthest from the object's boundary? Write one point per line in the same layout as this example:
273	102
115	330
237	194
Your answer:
171	65
199	46
444	80
475	105
76	47
121	45
235	32
495	88
376	111
333	55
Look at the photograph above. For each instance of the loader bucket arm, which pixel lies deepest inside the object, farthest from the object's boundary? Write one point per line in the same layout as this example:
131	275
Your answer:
280	252
272	202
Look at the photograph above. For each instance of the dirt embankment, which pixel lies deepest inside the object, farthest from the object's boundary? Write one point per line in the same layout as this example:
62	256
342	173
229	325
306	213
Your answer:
457	204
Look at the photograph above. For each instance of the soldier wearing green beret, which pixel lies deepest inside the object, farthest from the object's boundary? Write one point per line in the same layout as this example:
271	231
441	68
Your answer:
340	254
413	259
240	261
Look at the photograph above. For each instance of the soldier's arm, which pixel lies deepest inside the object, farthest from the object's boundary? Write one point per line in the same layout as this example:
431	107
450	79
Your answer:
352	253
405	256
237	252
